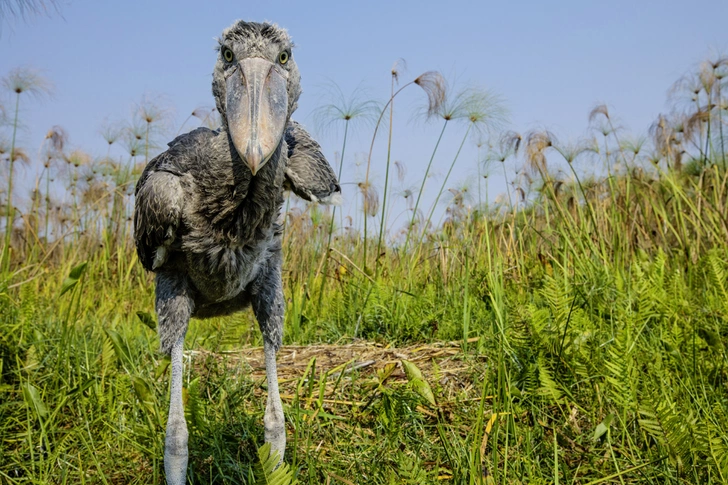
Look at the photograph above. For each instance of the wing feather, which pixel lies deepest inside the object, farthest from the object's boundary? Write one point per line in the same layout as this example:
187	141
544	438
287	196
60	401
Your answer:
309	174
161	197
157	215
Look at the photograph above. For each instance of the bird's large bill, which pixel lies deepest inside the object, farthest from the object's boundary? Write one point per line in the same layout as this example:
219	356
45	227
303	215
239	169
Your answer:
257	109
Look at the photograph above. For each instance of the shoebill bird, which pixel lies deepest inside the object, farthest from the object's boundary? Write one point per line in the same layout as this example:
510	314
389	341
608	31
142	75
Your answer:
207	210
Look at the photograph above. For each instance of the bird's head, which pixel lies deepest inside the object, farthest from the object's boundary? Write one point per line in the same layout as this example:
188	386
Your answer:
256	85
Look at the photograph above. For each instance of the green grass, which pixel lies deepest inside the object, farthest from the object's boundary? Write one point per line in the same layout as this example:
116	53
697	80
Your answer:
588	324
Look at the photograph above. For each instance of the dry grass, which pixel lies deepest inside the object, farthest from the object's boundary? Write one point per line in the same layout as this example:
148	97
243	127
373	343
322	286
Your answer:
442	363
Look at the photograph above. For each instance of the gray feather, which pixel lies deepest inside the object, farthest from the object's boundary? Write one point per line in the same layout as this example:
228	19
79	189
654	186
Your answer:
157	215
309	174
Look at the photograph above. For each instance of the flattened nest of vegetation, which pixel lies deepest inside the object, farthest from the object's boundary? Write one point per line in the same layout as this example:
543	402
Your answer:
457	375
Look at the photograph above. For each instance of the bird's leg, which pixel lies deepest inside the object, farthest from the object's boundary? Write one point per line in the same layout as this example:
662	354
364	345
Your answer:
274	421
175	442
174	307
268	307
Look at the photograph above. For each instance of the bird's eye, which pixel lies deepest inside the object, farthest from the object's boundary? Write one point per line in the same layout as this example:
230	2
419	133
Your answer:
283	57
227	54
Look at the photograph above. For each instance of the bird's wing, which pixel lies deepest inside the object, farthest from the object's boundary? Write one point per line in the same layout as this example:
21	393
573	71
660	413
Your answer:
309	174
161	197
157	212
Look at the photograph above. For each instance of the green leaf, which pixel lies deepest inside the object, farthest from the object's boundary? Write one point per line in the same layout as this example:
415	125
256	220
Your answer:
145	395
385	372
142	389
147	319
67	285
266	472
162	367
603	427
120	348
81	388
711	338
34	401
423	388
31	359
73	277
412	371
418	381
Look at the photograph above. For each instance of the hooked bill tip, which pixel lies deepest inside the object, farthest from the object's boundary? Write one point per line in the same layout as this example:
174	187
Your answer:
254	158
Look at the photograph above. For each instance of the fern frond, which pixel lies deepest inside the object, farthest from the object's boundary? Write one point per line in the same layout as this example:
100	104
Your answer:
28	304
677	431
549	388
107	356
268	471
717	274
621	376
194	405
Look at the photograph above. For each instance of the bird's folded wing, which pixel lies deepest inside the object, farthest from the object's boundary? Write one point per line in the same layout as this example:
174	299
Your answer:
309	174
157	215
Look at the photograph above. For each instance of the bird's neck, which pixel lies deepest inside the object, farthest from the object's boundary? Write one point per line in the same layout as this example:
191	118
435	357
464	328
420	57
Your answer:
242	206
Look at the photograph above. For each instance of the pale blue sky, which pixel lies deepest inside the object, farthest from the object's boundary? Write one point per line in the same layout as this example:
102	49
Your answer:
550	61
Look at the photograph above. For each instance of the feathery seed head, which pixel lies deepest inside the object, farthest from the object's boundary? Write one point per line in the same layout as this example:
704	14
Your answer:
111	132
693	124
604	128
57	139
406	194
20	155
26	80
152	111
686	91
452	107
399	66
720	68
136	131
510	142
371	198
201	112
663	134
208	116
435	87
78	158
94	192
456	197
485	110
598	110
133	145
536	143
213	121
401	170
525	176
521	194
707	78
633	145
335	106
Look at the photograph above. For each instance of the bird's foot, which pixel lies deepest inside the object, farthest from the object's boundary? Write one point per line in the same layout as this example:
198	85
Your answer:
175	453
